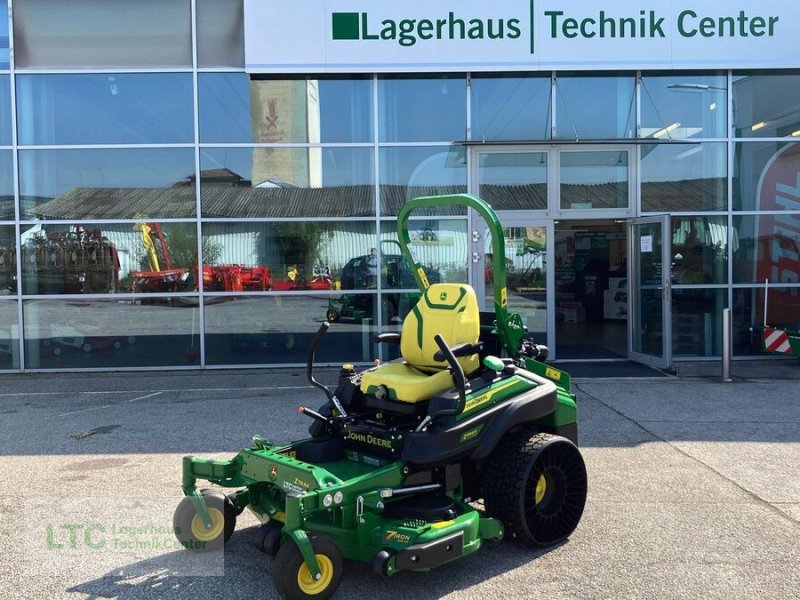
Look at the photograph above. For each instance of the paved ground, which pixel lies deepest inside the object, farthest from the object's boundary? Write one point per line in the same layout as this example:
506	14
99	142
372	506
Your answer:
693	490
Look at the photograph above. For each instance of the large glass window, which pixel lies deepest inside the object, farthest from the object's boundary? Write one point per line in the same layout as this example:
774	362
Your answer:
594	179
6	185
748	315
4	46
595	107
236	109
680	106
8	260
414	109
97	258
5	109
109	184
697	322
409	171
147	108
107	333
513	180
257	330
85	34
220	33
287	255
699	250
510	107
767	247
766	104
765	176
287	182
9	333
684	177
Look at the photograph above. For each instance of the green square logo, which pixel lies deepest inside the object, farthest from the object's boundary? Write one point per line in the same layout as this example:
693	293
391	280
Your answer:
345	26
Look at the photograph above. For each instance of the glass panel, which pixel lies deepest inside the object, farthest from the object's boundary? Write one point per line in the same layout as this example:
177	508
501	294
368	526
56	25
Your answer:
441	246
9	333
648	331
699	250
220	33
684	177
766	176
783	311
292	255
513	180
506	107
409	172
253	330
234	109
5	108
430	109
129	183
287	182
63	334
680	106
4	53
697	322
150	108
8	260
526	279
766	105
594	179
6	185
102	33
591	289
95	258
767	246
595	108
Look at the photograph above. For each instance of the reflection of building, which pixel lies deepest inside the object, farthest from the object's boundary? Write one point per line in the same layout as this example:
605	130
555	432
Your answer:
285	111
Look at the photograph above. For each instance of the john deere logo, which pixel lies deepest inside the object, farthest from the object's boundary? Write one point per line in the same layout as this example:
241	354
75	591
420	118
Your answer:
273	472
443	296
407	32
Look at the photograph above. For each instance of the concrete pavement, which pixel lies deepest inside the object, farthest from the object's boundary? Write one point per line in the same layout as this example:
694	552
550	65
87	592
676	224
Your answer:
693	488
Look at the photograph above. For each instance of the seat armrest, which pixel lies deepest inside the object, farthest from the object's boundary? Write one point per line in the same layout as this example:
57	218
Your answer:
390	337
465	349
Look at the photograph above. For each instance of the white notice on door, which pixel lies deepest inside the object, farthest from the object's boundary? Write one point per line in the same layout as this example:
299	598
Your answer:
647	243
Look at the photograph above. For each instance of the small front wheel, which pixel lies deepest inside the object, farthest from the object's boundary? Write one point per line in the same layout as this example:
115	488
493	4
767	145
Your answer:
293	578
189	527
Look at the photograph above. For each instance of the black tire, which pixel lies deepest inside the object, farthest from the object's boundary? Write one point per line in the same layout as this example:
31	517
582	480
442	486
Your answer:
268	537
189	528
535	484
292	577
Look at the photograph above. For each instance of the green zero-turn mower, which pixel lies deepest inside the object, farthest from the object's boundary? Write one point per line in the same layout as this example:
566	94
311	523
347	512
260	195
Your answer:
401	454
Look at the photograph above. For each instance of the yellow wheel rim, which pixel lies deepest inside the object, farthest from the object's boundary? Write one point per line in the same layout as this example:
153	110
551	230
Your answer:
199	531
541	489
309	585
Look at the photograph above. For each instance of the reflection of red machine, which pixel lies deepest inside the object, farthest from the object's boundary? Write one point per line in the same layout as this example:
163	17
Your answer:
157	279
234	278
295	280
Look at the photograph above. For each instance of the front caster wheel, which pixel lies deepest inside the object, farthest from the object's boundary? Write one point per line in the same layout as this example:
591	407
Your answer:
189	527
293	578
536	486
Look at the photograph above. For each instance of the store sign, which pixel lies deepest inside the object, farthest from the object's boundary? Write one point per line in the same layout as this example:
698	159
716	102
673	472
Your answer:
530	35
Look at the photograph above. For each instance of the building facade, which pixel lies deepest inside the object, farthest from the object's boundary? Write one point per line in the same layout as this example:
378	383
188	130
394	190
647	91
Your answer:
200	183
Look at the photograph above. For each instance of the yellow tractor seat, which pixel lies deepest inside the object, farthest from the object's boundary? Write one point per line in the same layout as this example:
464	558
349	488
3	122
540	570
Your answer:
449	309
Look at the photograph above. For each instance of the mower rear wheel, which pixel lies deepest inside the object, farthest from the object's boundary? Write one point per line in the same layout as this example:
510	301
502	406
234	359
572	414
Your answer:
292	576
189	527
536	485
268	537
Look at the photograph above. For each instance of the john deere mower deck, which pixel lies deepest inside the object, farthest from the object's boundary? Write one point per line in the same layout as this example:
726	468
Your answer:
400	453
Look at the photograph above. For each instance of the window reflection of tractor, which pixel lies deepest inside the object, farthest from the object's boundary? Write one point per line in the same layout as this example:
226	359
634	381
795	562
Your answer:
297	280
360	273
163	276
76	261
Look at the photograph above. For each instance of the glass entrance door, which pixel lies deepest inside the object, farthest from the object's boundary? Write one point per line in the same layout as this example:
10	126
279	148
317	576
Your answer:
650	332
515	182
